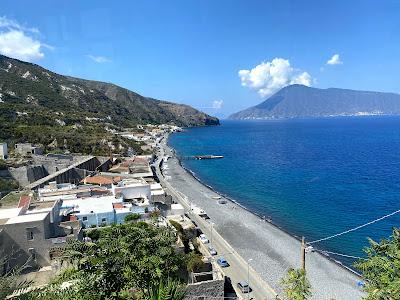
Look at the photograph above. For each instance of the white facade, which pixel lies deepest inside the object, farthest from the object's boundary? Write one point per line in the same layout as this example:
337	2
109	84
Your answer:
3	151
100	211
92	211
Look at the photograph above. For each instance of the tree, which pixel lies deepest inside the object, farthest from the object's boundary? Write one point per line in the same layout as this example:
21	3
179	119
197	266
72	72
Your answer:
128	261
131	255
194	261
381	268
171	290
296	285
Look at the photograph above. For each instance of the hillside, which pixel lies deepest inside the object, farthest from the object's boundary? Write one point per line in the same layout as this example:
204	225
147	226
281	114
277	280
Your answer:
40	106
298	101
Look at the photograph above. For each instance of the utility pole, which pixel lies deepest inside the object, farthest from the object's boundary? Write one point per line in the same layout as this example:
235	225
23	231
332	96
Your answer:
303	254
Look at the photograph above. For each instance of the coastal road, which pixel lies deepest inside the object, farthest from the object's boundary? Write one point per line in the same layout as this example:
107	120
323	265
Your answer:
239	269
272	250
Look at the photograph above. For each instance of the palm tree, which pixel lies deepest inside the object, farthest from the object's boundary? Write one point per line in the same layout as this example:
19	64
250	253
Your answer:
171	290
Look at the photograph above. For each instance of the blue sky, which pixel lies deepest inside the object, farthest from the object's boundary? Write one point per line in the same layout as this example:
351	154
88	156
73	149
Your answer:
193	51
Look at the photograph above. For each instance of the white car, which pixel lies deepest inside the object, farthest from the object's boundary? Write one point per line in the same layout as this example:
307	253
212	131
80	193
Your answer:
203	238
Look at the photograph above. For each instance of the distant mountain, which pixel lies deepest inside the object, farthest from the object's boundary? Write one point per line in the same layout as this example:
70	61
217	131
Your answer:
299	101
29	88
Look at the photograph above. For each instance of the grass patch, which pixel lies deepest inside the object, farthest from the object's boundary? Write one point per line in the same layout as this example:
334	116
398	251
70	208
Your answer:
11	199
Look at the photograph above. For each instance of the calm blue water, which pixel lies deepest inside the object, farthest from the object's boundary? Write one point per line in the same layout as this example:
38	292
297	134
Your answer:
312	177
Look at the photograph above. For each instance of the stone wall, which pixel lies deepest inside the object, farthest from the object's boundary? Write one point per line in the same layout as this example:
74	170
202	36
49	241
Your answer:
28	174
212	289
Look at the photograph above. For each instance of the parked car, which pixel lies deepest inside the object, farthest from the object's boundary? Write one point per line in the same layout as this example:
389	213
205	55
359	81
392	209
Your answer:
203	238
244	287
212	250
222	262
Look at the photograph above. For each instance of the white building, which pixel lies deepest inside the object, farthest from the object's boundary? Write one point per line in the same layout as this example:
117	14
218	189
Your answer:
104	210
3	151
132	189
92	211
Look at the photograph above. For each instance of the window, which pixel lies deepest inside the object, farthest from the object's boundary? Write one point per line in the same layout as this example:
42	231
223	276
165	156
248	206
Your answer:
29	234
84	219
103	220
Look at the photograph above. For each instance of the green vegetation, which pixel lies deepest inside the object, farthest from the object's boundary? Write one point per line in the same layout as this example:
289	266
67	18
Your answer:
94	234
131	217
177	226
9	279
171	290
194	261
296	285
63	113
11	199
129	261
86	139
182	234
381	268
7	185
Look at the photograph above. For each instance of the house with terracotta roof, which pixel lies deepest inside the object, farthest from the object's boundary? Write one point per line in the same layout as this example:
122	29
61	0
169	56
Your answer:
102	180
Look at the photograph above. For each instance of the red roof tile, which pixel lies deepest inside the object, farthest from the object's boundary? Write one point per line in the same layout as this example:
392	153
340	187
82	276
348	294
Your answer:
97	180
118	205
24	201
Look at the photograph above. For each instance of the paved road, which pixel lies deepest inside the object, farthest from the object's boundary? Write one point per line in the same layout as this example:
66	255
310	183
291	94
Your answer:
239	269
273	251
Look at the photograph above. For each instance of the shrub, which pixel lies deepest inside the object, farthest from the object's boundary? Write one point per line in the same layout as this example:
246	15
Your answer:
194	261
94	234
132	217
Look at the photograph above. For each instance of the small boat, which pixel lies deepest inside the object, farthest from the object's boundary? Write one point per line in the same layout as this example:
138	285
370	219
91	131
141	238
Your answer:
216	197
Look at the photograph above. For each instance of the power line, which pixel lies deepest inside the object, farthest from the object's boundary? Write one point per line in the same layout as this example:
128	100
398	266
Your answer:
355	228
340	254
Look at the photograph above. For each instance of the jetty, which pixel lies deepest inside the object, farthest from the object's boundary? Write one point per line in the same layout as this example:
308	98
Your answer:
199	157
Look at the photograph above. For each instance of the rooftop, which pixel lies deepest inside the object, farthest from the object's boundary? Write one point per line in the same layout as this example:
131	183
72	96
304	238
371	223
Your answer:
6	213
24	200
91	204
27	218
101	179
40	206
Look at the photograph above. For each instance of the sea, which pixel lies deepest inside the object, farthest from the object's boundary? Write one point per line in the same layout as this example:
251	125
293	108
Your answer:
313	178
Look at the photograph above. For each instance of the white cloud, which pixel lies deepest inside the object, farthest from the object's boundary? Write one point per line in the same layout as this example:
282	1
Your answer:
98	59
18	45
19	41
217	104
14	25
269	77
334	60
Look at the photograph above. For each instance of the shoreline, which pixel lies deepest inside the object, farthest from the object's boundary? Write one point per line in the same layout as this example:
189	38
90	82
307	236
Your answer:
261	217
275	248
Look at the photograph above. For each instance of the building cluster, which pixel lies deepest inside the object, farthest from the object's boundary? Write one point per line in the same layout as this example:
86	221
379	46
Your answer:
149	134
35	227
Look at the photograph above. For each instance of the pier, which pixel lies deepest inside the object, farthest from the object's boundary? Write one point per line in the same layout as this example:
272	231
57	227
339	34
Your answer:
199	157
